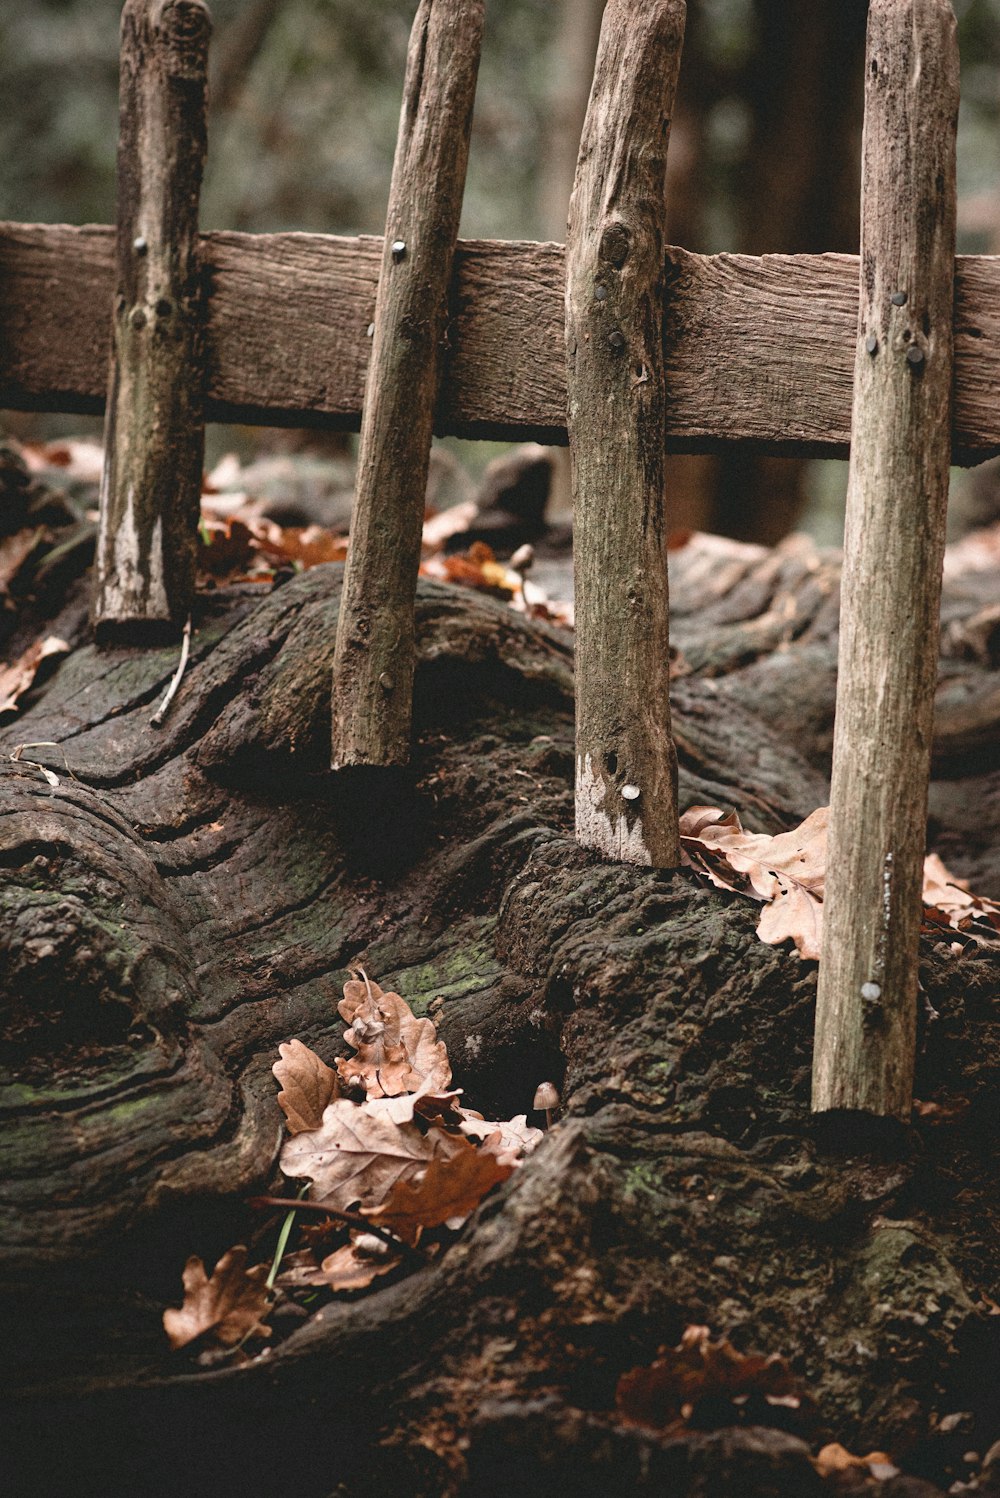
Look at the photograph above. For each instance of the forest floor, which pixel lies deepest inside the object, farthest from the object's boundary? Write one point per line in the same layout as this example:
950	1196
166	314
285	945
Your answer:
186	897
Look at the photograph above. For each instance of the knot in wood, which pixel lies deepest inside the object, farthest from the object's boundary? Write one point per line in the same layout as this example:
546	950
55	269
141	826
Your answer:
183	28
616	242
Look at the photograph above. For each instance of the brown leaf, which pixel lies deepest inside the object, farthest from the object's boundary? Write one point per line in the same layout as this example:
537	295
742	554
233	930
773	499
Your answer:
450	1189
309	545
668	1392
507	1140
231	1305
788	871
396	1052
836	1458
16	679
351	1267
358	1154
308	1083
948	902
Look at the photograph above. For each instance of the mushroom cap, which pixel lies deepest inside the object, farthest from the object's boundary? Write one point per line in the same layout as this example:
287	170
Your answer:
546	1096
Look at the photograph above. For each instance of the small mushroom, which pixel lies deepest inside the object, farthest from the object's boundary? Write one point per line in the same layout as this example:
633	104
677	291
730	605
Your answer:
546	1101
521	563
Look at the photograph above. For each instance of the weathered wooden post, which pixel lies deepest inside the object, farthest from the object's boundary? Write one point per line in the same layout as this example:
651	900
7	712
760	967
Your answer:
626	764
374	658
154	428
893	549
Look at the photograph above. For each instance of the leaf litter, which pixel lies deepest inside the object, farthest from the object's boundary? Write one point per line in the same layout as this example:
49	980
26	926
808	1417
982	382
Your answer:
787	875
382	1153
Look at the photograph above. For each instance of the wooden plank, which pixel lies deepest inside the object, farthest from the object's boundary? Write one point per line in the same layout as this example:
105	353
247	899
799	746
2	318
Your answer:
893	552
626	762
375	652
154	431
760	350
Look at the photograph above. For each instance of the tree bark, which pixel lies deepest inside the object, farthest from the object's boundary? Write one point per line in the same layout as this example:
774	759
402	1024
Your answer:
626	787
374	661
154	432
893	548
189	897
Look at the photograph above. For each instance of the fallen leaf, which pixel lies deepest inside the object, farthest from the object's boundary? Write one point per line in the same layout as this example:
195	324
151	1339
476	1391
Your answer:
16	679
396	1052
836	1458
949	902
231	1305
667	1394
513	1137
448	1191
353	1266
358	1155
787	871
308	1086
309	545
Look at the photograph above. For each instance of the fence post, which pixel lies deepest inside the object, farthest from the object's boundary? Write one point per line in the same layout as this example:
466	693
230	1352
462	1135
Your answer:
626	764
154	427
893	549
374	657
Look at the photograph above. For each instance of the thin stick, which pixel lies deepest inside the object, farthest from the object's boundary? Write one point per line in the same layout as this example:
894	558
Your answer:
893	550
352	1219
171	692
626	763
374	661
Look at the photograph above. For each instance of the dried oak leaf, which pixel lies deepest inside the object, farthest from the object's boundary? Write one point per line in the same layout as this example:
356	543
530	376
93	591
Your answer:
449	1190
949	902
353	1266
787	871
308	1086
358	1154
700	1372
396	1052
507	1139
17	678
231	1305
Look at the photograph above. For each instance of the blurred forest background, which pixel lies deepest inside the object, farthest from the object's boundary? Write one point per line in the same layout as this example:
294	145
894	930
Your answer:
304	105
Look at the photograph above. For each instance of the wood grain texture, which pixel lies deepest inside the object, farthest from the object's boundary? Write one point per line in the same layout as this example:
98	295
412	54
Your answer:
893	553
154	430
626	763
759	349
374	661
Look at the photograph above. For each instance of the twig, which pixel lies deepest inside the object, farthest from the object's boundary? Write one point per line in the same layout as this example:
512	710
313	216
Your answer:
171	692
352	1219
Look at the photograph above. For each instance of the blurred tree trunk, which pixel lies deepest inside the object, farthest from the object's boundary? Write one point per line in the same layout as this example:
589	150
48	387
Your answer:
804	91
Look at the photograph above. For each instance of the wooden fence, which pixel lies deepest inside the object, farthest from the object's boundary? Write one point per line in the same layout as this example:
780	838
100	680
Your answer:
621	345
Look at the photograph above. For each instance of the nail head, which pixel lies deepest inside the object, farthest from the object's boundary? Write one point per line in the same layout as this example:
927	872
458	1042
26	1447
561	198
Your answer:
898	299
871	343
398	250
617	339
914	355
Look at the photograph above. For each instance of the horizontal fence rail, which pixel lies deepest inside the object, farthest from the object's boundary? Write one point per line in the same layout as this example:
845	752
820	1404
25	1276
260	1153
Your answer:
758	350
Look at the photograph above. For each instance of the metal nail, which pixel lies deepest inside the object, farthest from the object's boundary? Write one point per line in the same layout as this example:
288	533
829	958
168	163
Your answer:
139	245
898	299
871	343
617	340
914	355
398	250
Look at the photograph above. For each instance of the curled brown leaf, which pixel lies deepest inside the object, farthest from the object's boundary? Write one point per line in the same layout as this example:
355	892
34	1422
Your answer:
230	1306
308	1085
